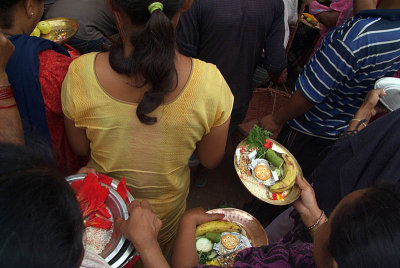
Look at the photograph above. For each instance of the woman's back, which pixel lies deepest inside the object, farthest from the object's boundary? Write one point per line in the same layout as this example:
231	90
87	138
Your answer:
203	103
153	158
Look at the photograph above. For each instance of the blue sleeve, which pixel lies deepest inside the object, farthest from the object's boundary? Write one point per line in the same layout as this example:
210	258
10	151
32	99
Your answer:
330	67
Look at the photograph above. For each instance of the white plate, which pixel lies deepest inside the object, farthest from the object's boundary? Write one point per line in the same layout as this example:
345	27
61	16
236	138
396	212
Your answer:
391	86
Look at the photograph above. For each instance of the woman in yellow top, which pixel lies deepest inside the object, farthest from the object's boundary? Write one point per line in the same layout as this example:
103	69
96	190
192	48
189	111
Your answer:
142	109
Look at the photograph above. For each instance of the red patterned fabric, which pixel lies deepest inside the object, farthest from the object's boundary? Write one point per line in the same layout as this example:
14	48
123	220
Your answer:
52	70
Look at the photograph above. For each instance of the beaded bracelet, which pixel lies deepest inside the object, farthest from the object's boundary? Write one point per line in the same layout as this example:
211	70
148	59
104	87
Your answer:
6	92
317	222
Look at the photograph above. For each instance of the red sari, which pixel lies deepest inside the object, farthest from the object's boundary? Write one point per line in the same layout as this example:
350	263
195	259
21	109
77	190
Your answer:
52	71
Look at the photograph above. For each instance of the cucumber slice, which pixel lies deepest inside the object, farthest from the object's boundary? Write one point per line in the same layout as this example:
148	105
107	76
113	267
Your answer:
212	255
204	245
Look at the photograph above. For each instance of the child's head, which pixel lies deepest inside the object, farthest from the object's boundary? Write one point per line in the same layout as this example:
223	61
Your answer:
151	34
40	223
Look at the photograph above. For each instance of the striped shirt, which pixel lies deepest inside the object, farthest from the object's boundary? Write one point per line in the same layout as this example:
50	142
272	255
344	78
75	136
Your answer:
345	67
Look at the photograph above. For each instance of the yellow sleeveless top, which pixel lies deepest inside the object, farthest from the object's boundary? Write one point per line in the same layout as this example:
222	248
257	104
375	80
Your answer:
152	158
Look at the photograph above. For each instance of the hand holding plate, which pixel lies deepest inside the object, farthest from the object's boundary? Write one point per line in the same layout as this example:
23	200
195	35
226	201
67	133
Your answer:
370	106
269	123
197	216
142	226
307	205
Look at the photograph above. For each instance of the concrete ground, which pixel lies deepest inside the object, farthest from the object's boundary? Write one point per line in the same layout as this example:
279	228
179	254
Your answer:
223	187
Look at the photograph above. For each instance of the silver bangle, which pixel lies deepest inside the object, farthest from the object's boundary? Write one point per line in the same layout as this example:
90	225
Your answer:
317	222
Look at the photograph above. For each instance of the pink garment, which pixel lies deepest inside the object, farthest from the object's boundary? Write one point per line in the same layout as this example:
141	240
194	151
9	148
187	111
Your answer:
344	7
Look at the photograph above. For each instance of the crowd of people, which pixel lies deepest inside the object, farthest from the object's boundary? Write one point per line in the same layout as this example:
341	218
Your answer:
174	86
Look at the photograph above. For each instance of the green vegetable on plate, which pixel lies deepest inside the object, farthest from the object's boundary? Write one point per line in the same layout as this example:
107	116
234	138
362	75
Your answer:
273	158
257	138
213	237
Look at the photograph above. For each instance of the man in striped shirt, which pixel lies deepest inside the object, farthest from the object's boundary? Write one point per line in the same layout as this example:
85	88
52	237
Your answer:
336	80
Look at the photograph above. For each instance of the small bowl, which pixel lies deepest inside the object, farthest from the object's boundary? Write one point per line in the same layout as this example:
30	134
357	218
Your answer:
118	208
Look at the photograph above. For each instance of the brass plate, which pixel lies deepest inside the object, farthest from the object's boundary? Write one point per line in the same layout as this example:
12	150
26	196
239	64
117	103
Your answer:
261	191
251	227
62	29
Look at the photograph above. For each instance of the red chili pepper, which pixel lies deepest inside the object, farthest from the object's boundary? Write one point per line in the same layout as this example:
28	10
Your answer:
268	144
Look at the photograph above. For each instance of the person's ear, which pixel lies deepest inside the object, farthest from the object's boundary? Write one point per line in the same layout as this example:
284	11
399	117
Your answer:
29	9
186	5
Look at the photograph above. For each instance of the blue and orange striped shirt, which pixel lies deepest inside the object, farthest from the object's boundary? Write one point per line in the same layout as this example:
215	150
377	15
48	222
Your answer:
345	67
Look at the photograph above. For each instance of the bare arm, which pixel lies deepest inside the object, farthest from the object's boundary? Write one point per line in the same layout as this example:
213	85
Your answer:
184	254
77	138
210	150
368	109
11	130
307	206
297	105
328	18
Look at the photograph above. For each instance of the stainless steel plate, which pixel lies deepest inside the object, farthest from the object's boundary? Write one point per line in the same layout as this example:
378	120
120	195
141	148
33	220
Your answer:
118	208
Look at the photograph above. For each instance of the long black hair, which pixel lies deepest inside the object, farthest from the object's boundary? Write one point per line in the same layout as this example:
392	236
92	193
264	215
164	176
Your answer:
154	52
366	232
40	223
